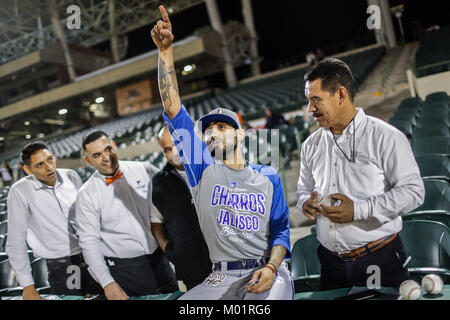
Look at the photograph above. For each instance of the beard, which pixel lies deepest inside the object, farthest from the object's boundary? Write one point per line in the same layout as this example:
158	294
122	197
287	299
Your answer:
224	153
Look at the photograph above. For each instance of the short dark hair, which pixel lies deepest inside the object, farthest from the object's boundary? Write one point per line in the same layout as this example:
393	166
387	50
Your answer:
93	136
334	73
30	149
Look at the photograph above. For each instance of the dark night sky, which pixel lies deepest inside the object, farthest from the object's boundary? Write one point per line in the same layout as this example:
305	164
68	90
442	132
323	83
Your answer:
288	28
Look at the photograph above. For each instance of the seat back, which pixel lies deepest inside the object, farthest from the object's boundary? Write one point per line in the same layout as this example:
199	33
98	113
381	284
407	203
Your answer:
431	145
3	227
440	216
304	259
428	244
437	196
7	276
2	242
435	166
39	271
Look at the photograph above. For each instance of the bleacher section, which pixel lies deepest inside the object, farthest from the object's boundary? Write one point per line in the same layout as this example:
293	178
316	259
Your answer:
434	53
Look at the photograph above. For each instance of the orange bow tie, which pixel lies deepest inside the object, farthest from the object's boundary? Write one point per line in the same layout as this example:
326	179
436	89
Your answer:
116	176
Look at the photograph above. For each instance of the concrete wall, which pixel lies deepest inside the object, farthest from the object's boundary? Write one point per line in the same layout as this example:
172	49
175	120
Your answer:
425	85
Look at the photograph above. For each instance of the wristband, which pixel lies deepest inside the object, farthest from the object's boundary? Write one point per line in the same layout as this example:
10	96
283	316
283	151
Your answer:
274	266
271	269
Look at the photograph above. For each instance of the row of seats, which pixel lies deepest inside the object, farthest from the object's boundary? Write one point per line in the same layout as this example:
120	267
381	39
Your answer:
433	55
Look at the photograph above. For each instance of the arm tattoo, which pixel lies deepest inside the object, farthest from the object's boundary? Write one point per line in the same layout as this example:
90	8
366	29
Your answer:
167	80
277	254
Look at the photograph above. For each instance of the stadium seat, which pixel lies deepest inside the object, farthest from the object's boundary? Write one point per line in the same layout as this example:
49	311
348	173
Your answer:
430	131
437	96
7	277
3	228
305	264
434	166
2	242
39	271
437	196
433	145
428	245
439	216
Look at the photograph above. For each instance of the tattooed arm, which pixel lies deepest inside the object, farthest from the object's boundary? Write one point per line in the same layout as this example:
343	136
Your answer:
167	79
276	256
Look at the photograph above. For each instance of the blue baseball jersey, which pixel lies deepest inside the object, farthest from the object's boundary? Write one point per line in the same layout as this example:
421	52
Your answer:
242	212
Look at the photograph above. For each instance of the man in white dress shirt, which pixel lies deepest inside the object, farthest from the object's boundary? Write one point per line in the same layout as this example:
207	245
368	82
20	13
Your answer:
368	169
41	209
113	211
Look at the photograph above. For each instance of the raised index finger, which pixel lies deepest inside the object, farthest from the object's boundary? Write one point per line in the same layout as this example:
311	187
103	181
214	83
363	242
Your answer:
164	14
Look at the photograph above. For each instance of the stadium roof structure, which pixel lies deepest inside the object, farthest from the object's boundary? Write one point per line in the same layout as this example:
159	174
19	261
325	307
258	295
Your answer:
26	25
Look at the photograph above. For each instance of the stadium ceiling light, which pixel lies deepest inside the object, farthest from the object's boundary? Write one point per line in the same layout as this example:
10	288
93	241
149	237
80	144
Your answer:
27	123
170	10
28	137
2	138
99	100
62	111
188	68
41	135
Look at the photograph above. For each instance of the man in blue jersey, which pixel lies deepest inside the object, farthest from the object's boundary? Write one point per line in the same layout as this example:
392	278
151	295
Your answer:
241	208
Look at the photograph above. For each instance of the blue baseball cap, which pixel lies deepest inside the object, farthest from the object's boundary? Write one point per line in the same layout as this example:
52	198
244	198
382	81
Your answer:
218	114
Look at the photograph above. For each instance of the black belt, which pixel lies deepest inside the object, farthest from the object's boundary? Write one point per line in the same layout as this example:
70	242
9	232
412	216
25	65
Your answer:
240	264
78	258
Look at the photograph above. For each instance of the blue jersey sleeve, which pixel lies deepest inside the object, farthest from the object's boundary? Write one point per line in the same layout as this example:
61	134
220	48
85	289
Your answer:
193	152
279	212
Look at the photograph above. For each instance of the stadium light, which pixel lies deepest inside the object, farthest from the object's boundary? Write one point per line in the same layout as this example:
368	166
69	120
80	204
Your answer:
2	138
28	137
189	68
27	123
41	135
62	111
99	100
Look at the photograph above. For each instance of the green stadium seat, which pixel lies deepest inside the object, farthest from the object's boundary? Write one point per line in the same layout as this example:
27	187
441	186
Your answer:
428	245
437	196
430	131
39	271
305	264
2	243
3	228
438	216
437	96
434	166
7	277
433	145
3	256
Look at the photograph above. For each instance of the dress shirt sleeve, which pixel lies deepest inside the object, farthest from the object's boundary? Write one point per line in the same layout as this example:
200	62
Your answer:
88	226
306	182
402	173
16	242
